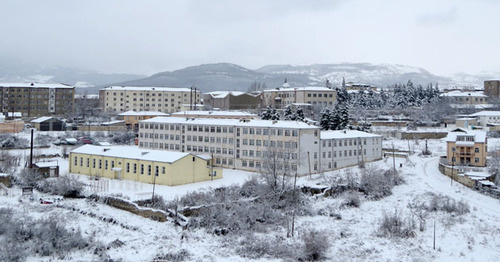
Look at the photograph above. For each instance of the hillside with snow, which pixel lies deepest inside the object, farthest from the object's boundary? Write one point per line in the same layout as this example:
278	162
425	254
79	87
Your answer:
350	232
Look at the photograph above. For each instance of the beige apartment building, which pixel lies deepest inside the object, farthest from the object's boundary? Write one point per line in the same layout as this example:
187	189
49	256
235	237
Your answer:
35	99
232	100
132	118
162	99
466	147
286	95
216	114
251	145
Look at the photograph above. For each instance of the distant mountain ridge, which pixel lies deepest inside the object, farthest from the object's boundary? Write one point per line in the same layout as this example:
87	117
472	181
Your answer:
226	76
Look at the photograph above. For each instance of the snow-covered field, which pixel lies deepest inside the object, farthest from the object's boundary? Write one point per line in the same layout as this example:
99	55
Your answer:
469	237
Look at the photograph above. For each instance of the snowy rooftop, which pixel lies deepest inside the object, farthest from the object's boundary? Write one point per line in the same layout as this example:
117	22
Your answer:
87	96
35	85
340	134
143	113
479	136
142	88
231	122
463	93
4	175
222	94
14	114
213	113
478	174
112	122
487	113
47	164
41	119
131	152
303	89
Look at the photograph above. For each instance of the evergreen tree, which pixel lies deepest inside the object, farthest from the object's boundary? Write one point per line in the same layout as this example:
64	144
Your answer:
325	119
299	115
274	114
288	114
266	115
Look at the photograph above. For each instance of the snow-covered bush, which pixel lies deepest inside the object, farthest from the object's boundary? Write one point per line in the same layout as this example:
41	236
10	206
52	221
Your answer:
352	199
67	186
23	236
27	177
443	203
8	162
377	183
122	138
181	255
11	141
43	140
266	246
396	225
315	245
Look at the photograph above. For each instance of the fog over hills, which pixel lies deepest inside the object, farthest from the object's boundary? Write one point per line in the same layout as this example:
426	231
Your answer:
227	76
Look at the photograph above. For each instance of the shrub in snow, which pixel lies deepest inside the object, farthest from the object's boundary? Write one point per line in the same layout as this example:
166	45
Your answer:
396	225
376	183
315	245
447	204
352	199
268	246
23	236
157	202
43	140
11	141
8	162
181	255
122	138
27	177
66	185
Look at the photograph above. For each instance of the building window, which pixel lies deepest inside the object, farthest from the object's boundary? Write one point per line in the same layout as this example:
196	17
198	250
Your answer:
76	160
128	167
149	170
476	150
476	159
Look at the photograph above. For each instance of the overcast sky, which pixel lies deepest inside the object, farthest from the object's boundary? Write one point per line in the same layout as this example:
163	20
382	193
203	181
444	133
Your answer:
146	37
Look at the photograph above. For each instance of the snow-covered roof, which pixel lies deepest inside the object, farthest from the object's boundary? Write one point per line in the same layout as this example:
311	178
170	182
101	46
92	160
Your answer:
14	114
302	89
213	113
131	152
478	174
46	164
486	183
464	93
231	122
4	175
112	122
87	96
36	85
41	119
487	113
143	88
103	143
143	113
222	94
341	134
479	136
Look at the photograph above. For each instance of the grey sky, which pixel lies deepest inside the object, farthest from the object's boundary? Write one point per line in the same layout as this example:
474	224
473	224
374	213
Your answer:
146	37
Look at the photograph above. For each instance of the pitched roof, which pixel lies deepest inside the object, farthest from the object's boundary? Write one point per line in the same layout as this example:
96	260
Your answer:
150	88
131	152
36	85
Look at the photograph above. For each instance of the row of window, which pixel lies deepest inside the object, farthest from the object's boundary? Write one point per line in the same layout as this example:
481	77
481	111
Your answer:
154	94
223	129
346	142
109	165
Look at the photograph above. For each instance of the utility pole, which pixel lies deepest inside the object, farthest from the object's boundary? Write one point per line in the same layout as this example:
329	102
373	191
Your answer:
434	244
452	166
31	149
309	163
394	159
212	168
154	185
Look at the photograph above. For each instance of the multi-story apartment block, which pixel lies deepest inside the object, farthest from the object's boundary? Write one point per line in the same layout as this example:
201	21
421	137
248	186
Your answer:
241	144
35	99
163	99
475	99
252	144
132	118
286	95
492	88
466	147
342	148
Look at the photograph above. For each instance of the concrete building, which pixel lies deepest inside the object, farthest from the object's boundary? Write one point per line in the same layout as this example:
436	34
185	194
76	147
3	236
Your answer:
216	114
343	148
162	99
487	117
492	88
35	99
240	144
48	123
460	99
147	166
466	147
132	118
286	95
232	100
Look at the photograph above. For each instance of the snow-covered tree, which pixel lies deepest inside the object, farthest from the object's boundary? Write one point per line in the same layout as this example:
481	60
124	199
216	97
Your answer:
325	119
270	114
299	114
288	114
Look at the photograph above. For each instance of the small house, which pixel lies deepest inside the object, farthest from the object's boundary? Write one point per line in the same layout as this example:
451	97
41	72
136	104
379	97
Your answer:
47	123
47	169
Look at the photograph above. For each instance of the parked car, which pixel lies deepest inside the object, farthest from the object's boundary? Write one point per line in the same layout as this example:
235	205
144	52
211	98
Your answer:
65	141
86	140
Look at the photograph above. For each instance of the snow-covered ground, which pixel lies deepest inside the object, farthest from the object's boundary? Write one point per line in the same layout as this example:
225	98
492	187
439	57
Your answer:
469	237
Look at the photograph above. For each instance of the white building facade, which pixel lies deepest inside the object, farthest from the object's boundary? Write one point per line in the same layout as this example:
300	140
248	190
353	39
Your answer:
343	148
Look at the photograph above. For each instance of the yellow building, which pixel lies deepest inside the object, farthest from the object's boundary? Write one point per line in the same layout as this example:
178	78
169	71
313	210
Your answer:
147	166
466	147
